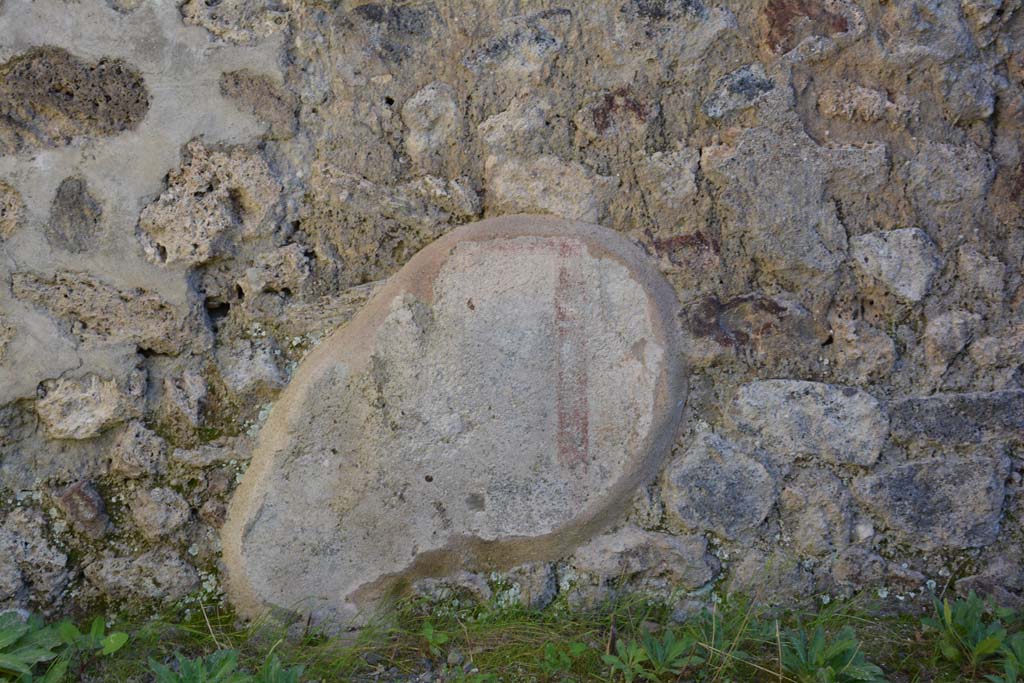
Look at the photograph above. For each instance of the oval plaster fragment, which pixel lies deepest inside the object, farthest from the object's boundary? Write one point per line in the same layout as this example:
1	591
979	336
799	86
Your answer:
498	401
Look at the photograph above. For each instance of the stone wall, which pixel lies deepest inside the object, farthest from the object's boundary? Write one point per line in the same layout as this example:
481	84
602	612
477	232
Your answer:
192	194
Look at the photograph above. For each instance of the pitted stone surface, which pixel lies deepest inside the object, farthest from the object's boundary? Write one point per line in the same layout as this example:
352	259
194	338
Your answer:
842	425
497	402
48	96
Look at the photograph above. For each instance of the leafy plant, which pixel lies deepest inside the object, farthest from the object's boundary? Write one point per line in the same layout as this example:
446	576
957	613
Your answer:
965	637
628	660
1013	661
24	646
1012	620
97	639
435	639
275	672
669	655
219	667
722	635
558	660
814	660
81	650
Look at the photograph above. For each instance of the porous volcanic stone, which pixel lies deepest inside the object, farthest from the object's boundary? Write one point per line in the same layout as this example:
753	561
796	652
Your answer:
97	312
75	216
842	425
715	486
81	408
259	94
959	419
11	209
497	402
939	502
49	96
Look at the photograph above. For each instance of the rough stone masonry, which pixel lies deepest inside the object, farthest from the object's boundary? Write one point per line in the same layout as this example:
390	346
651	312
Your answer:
194	196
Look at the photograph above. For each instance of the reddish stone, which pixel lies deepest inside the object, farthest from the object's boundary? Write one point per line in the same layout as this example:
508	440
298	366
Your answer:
790	21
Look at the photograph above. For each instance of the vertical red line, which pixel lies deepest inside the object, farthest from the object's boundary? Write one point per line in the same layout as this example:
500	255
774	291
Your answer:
571	360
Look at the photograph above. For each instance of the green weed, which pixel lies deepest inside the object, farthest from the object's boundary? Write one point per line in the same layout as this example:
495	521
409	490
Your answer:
31	651
628	660
965	636
630	639
669	655
219	667
559	660
24	646
1013	661
434	638
222	667
815	659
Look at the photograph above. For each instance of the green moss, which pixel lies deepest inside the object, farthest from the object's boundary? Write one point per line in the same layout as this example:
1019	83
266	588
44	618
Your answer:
208	434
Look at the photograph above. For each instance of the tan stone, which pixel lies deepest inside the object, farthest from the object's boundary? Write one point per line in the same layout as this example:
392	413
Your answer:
95	311
259	94
826	422
945	336
548	184
138	452
631	551
498	401
7	333
904	260
213	199
80	408
861	352
158	574
236	21
11	210
816	512
159	512
432	117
